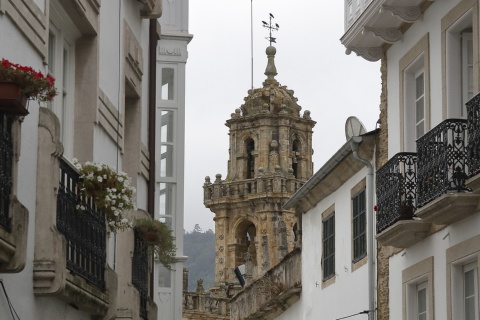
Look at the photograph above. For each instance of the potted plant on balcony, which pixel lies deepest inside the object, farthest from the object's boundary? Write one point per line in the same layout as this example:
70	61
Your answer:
158	239
406	210
19	83
110	190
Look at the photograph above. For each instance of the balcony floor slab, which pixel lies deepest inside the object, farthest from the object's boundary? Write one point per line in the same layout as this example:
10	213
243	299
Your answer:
449	208
404	233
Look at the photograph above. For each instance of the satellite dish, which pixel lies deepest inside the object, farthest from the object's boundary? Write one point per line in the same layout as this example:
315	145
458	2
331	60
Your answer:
353	127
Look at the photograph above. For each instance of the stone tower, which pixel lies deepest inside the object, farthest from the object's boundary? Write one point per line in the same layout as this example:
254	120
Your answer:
270	157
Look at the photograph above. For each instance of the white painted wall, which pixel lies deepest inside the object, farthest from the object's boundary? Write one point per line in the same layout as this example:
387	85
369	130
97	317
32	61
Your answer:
349	293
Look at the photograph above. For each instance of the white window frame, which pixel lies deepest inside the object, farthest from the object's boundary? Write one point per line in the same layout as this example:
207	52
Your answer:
174	83
456	78
65	34
167	144
411	122
458	287
467	68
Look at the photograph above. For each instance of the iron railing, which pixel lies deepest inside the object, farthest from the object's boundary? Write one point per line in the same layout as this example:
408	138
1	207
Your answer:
6	162
84	230
473	125
396	190
442	164
140	272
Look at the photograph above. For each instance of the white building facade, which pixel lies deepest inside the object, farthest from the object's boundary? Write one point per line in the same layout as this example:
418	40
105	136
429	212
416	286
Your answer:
107	68
171	70
336	242
426	183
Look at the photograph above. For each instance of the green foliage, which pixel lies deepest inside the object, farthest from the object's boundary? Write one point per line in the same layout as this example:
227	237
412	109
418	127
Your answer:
34	84
110	190
158	238
200	248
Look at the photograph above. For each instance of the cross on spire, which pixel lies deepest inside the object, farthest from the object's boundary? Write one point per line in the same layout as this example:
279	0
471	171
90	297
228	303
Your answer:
271	27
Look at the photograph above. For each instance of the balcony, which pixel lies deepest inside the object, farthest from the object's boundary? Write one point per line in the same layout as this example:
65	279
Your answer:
251	188
372	25
271	295
140	271
70	247
443	197
396	203
13	215
442	185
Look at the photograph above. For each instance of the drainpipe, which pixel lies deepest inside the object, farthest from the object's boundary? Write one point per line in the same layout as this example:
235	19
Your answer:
354	144
153	36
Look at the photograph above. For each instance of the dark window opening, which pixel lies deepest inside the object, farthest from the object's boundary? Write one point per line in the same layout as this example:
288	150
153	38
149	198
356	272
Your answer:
250	159
359	227
295	151
329	247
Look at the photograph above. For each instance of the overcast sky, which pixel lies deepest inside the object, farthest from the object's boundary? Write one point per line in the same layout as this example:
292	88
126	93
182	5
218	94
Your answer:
310	60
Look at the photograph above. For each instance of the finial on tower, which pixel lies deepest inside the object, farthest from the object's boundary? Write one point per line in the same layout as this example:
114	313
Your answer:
271	70
271	28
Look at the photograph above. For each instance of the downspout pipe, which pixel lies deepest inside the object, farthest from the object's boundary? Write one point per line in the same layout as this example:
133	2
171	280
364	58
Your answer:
355	144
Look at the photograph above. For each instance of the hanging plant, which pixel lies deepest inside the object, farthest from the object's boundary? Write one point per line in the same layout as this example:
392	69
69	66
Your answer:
158	239
34	84
110	191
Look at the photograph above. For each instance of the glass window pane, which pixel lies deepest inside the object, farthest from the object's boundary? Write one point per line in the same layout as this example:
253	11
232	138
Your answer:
166	161
420	110
167	199
469	294
419	86
166	126
167	83
164	277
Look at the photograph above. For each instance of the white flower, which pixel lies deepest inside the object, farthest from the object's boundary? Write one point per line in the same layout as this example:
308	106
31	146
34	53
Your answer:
104	176
113	190
99	179
120	205
120	179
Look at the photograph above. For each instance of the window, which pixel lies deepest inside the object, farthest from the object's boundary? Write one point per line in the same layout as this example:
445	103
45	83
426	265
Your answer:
462	286
465	290
421	303
414	94
419	104
470	293
359	227
167	204
329	247
459	57
418	289
61	66
168	87
467	67
167	120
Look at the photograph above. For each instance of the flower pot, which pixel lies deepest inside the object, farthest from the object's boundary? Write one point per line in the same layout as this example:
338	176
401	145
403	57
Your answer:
12	99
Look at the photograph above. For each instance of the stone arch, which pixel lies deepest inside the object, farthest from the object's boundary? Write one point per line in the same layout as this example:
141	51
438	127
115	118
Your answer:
245	235
298	143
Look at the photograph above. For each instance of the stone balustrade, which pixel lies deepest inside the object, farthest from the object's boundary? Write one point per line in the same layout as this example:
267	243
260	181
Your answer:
197	304
270	295
276	183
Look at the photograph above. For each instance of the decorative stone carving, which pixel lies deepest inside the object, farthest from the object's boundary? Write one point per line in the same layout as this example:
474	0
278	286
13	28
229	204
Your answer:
408	14
368	53
390	35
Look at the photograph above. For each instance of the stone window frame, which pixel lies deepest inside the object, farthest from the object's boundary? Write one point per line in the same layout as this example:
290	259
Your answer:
360	187
413	276
419	53
457	256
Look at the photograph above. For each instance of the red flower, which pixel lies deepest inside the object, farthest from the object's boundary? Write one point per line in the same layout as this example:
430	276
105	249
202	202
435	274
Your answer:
375	208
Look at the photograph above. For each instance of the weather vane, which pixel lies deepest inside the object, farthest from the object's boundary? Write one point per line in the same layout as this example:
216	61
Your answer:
271	28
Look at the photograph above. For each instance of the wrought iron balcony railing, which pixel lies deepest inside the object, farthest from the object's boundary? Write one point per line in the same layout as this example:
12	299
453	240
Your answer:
6	158
442	160
396	190
84	231
140	272
473	125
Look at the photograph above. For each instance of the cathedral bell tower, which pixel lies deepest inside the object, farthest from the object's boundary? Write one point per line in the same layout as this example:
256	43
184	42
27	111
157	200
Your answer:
270	158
